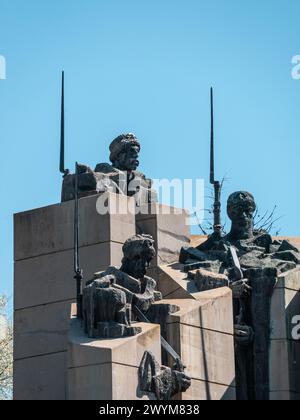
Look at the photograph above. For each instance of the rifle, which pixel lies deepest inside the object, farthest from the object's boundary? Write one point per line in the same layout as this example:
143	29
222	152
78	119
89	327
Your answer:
78	271
62	169
217	185
165	345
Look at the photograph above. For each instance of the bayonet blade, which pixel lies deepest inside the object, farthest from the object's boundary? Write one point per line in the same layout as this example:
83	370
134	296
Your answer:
212	139
62	126
78	271
236	263
169	349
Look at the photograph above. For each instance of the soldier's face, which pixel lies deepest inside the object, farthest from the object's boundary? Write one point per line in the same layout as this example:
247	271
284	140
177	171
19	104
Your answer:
241	214
141	262
129	160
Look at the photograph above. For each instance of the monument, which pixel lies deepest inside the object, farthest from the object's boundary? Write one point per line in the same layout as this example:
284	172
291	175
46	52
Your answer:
122	307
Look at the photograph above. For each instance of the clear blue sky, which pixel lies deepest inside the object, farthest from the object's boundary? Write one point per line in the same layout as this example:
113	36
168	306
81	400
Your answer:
146	66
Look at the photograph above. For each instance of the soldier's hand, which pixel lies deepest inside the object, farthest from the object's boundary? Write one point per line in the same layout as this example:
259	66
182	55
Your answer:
183	381
243	335
240	289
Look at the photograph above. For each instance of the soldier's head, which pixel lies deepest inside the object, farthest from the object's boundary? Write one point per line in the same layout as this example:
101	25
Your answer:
138	253
124	152
240	209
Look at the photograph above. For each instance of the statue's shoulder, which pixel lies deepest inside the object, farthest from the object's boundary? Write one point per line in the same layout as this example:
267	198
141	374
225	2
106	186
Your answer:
150	281
117	276
106	168
147	182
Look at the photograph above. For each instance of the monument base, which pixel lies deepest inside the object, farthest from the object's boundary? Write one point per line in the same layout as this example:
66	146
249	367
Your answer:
108	369
284	348
201	332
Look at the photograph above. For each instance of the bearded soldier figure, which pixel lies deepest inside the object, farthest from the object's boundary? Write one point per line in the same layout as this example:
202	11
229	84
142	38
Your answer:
121	176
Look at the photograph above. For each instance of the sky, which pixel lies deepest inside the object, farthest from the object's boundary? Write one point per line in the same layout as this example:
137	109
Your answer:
146	67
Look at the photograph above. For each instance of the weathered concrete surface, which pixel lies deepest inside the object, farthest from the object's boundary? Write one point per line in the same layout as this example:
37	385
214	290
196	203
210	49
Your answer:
174	283
207	391
44	286
51	229
168	226
51	276
108	369
202	334
284	350
41	378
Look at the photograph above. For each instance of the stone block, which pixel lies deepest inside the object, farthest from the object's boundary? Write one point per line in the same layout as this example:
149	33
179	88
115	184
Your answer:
207	355
285	304
285	366
168	226
44	284
51	229
284	396
41	378
108	369
201	332
289	280
206	391
41	330
174	283
51	276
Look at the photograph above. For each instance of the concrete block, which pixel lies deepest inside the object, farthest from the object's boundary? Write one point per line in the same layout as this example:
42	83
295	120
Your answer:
279	366
108	369
280	396
50	278
207	391
41	330
208	355
201	332
294	365
173	282
84	351
44	285
289	280
285	304
169	227
284	396
211	311
41	378
51	229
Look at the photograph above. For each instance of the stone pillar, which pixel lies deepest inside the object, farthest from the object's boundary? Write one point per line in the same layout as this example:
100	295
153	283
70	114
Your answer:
284	350
170	229
44	288
108	369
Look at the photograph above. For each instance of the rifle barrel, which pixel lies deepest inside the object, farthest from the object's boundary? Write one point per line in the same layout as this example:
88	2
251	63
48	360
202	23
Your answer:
216	184
78	271
212	138
62	126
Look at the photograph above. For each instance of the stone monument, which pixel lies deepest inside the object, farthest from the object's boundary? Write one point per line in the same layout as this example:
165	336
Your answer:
121	176
250	263
150	317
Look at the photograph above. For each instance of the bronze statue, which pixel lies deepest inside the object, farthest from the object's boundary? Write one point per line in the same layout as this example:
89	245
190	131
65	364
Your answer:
121	176
162	381
115	298
240	209
112	295
249	262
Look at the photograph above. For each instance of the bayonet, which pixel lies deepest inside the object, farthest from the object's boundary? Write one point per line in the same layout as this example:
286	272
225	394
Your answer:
78	271
217	185
62	129
236	264
165	345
